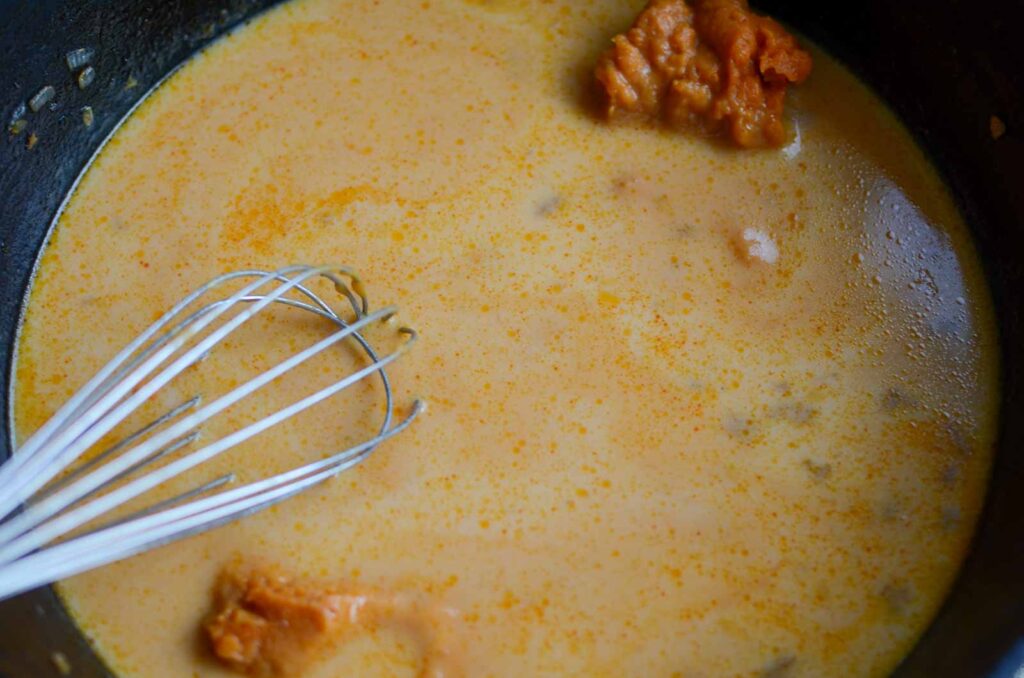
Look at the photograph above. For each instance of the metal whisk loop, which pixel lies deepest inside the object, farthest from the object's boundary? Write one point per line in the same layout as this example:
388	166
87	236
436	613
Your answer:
54	509
96	414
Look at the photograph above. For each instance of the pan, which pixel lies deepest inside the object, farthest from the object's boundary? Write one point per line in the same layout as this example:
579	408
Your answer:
947	67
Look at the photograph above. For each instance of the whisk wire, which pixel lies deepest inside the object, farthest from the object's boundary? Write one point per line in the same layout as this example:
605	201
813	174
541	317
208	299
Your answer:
67	504
37	514
103	547
91	463
164	504
49	450
86	396
109	410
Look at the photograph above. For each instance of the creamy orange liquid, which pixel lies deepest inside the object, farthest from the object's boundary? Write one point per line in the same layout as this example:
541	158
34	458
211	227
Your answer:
646	451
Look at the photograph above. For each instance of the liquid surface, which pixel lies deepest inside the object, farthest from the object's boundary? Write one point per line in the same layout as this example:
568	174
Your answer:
648	450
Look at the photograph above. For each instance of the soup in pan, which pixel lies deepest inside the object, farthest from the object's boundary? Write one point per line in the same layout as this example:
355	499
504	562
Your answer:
694	409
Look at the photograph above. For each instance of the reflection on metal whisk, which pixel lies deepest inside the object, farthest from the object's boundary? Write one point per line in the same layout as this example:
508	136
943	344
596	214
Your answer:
55	504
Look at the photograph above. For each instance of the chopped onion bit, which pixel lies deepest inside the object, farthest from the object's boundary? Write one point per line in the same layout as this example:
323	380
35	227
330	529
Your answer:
86	77
19	112
87	116
61	663
42	97
77	58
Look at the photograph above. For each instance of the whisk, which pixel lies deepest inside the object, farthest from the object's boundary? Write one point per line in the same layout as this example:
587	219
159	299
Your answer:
47	511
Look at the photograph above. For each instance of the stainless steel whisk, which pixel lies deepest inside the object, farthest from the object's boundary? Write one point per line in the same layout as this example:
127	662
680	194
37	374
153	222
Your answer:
53	506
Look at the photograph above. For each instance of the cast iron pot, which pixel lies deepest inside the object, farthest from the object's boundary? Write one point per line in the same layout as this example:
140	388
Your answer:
945	66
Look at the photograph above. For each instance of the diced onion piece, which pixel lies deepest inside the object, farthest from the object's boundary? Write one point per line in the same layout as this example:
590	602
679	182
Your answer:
86	77
760	246
19	112
42	97
77	58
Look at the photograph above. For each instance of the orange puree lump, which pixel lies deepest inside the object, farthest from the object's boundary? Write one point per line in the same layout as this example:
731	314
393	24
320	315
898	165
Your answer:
709	65
264	624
